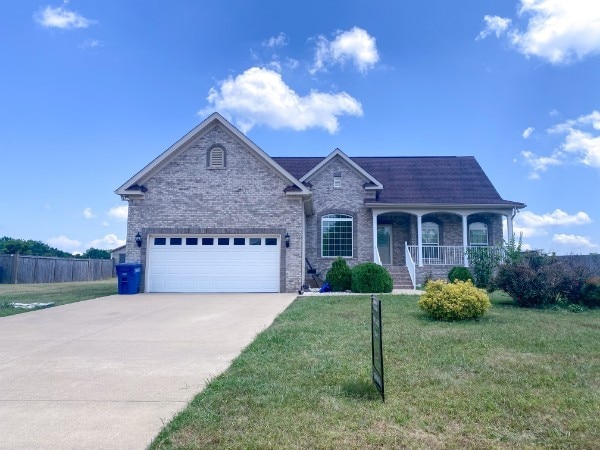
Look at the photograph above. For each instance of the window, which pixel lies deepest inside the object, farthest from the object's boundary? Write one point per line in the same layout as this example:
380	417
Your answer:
431	240
160	241
208	241
478	234
336	235
216	157
223	241
239	241
175	241
191	241
337	180
254	241
270	241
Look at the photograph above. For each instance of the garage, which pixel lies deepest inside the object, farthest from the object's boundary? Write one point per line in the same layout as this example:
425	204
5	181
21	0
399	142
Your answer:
202	263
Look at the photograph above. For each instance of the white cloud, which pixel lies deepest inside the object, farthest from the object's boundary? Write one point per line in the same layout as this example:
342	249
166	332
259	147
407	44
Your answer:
572	240
581	145
259	96
527	132
118	212
59	17
558	31
105	223
64	243
91	43
88	213
276	41
531	224
540	163
494	24
108	242
582	138
355	45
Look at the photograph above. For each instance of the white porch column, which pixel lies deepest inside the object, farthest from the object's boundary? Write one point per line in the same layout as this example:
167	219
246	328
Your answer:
375	253
509	227
420	240
465	238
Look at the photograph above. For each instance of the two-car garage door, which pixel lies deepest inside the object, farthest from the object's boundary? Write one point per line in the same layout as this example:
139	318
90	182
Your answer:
201	263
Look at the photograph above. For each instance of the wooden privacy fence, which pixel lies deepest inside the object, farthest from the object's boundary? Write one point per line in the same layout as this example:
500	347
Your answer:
17	269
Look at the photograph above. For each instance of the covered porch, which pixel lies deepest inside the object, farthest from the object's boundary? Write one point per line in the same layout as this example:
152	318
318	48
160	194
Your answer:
432	241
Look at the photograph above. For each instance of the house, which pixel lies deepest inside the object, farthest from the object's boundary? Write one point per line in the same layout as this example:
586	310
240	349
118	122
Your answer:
215	213
119	254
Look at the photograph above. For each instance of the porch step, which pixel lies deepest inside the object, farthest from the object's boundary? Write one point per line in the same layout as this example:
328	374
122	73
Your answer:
400	276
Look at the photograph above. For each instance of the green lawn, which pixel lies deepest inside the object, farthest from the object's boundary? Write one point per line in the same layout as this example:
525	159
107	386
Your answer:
59	293
518	378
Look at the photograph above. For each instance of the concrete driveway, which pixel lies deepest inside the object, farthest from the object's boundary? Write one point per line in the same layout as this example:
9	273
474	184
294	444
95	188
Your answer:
108	373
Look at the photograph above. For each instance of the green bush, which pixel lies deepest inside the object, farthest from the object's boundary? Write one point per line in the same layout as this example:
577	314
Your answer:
339	276
371	278
460	273
539	280
454	301
590	295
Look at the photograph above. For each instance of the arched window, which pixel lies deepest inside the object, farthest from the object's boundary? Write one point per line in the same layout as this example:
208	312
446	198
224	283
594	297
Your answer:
216	158
336	235
478	234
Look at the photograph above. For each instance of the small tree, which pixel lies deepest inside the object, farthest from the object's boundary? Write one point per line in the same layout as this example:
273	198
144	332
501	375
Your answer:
483	261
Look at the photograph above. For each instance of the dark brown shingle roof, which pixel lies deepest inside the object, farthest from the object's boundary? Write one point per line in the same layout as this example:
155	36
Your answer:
419	180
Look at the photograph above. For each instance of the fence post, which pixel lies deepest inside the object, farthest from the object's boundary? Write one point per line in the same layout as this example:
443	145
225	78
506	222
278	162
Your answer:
15	268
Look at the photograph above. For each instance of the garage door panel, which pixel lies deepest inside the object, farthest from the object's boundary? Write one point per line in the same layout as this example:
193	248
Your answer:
214	268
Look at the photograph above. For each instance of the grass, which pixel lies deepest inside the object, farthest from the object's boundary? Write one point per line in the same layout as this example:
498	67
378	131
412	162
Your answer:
59	293
517	378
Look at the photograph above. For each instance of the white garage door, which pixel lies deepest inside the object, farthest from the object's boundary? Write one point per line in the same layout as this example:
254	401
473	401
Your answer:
213	263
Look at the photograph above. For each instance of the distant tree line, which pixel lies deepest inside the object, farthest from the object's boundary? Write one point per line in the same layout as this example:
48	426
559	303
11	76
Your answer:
37	248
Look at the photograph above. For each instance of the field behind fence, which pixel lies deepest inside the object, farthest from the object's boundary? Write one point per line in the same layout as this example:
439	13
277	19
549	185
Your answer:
39	269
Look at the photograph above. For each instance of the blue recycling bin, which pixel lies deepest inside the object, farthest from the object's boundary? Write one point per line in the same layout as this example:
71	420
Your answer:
128	275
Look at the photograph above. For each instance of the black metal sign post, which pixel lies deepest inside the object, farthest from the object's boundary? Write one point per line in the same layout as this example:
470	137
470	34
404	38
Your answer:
377	345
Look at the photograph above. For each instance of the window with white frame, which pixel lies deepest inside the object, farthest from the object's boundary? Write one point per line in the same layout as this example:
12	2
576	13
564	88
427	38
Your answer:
216	158
431	233
478	234
336	235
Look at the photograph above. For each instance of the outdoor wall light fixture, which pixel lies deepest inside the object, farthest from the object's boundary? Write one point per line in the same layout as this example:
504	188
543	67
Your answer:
287	239
138	239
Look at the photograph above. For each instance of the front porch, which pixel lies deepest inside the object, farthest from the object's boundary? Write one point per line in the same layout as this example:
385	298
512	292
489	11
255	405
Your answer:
430	243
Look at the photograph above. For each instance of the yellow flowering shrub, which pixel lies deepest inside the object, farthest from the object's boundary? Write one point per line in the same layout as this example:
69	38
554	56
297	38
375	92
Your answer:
454	301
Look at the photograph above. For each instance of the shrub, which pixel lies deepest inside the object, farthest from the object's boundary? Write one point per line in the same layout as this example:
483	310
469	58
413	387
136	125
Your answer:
460	273
540	280
371	278
483	260
339	276
590	295
454	301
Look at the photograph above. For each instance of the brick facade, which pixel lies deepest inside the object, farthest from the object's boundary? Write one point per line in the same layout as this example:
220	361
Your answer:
247	196
347	199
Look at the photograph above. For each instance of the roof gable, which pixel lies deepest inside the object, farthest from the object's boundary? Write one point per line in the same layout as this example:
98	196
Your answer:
135	185
371	181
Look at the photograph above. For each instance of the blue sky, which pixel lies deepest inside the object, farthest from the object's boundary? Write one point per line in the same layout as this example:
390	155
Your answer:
90	92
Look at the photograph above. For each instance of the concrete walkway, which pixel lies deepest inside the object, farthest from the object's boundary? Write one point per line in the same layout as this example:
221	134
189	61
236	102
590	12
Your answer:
108	373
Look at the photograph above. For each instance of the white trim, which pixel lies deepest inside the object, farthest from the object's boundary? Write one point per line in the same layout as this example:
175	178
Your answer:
180	146
341	154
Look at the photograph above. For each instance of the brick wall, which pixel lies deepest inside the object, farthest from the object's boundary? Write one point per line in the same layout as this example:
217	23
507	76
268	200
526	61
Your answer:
187	197
348	199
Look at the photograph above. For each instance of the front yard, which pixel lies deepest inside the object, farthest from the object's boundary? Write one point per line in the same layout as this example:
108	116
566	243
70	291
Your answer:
516	378
59	293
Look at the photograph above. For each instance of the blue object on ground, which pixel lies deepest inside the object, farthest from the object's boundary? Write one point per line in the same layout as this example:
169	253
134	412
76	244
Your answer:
129	277
325	288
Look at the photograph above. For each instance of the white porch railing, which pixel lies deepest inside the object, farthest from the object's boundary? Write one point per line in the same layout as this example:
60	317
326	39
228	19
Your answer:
446	255
410	264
